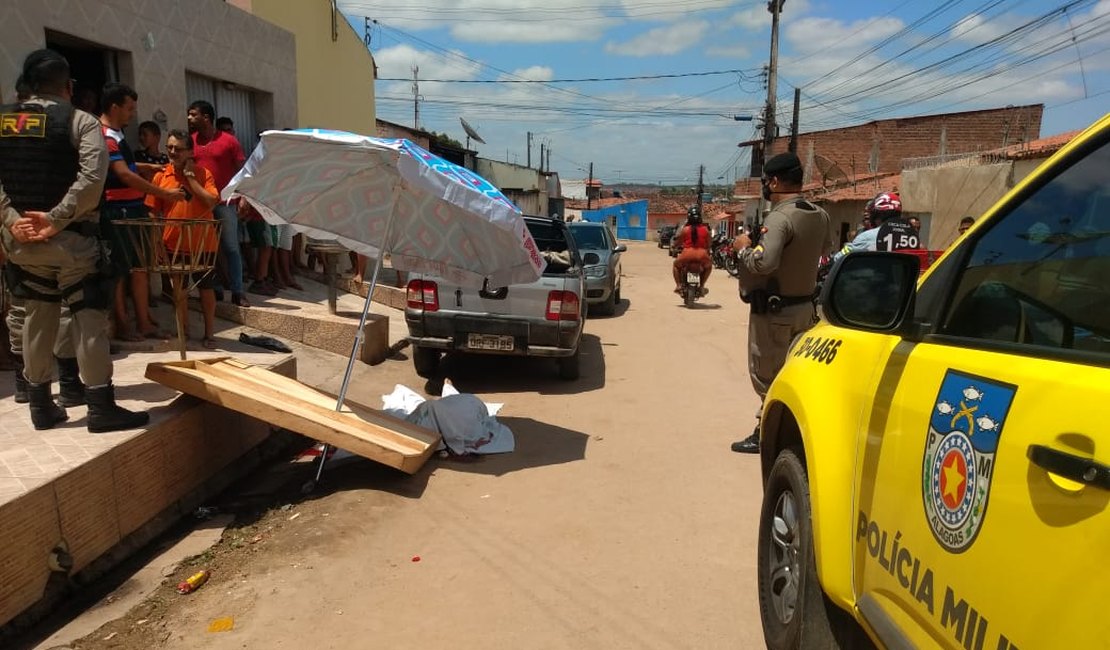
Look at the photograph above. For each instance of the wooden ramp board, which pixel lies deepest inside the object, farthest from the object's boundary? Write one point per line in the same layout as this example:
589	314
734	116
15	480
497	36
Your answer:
287	403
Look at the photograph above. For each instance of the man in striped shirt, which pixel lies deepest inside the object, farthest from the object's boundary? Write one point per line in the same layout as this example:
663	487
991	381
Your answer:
124	195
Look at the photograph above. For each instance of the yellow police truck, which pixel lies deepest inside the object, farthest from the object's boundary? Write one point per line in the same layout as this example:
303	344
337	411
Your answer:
936	453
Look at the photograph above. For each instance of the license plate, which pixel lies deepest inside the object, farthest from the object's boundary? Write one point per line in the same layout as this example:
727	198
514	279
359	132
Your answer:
693	278
498	342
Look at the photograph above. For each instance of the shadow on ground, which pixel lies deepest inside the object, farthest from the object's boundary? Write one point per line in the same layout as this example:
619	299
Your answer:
480	374
538	444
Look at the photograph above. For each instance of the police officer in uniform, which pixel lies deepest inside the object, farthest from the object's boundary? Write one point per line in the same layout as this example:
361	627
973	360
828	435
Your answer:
71	392
53	162
778	275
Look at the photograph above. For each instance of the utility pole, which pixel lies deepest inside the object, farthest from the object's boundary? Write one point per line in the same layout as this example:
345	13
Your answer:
775	7
529	150
794	122
589	183
549	159
541	156
416	97
701	185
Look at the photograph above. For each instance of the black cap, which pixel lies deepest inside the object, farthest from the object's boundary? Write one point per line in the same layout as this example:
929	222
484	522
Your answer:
783	162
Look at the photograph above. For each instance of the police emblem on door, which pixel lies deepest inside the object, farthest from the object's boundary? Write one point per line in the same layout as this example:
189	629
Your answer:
964	430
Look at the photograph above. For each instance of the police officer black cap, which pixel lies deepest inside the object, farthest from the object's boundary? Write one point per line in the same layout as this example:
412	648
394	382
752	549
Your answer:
784	162
44	67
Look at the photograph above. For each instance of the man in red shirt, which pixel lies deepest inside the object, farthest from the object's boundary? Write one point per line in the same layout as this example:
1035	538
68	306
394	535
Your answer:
220	153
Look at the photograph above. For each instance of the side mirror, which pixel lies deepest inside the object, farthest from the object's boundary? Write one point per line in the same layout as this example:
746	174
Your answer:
620	248
591	258
871	291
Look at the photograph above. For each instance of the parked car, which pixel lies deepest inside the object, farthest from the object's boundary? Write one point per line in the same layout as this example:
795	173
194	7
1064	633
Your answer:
935	452
665	235
540	319
603	279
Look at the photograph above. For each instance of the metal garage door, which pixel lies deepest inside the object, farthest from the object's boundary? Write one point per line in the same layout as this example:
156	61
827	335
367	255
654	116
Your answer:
230	101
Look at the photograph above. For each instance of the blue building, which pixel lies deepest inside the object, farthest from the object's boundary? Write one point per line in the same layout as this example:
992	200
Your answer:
629	220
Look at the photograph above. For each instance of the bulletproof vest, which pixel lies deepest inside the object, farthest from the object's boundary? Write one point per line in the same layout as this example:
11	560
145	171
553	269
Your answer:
38	162
897	235
808	228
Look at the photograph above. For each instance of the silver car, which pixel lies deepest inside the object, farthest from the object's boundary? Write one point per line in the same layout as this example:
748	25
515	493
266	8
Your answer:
603	277
540	319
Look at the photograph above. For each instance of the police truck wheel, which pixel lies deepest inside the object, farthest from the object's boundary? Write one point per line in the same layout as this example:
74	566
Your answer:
792	606
425	361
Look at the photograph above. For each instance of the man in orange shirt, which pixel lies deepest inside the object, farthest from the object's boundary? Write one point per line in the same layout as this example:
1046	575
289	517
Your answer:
201	194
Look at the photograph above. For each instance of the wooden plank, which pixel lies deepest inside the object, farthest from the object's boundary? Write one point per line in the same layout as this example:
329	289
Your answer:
285	402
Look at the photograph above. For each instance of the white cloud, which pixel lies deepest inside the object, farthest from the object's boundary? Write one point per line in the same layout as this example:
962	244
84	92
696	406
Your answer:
534	73
818	34
976	28
395	62
640	10
670	39
493	21
756	17
528	31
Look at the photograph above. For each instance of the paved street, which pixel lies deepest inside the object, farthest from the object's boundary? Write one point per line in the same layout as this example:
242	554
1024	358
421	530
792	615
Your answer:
621	521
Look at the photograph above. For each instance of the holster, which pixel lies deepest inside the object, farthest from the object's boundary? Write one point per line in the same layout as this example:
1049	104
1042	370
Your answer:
16	280
97	292
85	228
758	299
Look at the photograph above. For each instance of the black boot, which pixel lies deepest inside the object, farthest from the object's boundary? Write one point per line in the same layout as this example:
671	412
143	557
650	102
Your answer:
749	445
20	381
44	412
105	415
71	392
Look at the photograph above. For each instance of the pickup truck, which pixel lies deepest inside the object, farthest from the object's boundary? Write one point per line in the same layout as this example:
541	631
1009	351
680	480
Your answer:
540	319
935	452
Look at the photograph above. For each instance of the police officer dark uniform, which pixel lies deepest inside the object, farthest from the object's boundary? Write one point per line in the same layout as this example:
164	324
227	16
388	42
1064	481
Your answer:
779	274
53	162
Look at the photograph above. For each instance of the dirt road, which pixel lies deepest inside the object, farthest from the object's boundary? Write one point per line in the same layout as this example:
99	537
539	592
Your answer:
621	521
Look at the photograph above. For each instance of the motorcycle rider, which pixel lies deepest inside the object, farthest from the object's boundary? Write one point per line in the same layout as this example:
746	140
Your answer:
694	240
890	232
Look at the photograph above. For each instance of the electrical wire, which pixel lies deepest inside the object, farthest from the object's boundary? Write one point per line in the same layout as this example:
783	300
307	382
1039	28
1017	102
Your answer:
739	71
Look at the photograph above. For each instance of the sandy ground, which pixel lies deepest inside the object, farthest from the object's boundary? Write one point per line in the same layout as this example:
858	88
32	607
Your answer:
622	520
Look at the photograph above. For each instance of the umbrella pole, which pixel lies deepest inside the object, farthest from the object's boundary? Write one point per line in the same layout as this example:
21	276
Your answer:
358	336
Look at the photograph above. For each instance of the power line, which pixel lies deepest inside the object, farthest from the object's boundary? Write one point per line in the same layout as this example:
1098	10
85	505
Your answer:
681	75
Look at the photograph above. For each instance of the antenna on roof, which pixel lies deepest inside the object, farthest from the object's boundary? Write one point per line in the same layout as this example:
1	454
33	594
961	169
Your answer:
470	133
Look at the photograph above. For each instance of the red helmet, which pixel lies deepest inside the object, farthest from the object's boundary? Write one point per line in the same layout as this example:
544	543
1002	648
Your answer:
885	206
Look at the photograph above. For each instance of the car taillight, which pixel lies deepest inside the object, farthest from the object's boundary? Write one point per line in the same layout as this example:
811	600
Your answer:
423	294
562	305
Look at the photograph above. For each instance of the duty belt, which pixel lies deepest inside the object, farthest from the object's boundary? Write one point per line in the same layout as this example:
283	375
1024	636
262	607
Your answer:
85	228
763	301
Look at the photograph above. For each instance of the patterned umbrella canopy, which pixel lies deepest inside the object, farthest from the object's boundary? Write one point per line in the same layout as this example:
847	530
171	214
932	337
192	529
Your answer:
372	194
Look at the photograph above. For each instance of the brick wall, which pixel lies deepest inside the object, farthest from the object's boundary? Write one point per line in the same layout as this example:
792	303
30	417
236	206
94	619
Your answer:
891	141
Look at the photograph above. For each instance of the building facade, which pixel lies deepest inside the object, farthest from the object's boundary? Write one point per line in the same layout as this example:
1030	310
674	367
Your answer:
335	70
171	52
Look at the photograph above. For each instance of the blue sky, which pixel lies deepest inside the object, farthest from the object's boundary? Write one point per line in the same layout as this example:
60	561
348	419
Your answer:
855	62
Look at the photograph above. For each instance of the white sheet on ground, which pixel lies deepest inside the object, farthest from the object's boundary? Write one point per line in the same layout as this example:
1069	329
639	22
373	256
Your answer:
467	424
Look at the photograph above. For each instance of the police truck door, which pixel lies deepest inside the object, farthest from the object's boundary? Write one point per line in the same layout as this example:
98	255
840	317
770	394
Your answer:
985	514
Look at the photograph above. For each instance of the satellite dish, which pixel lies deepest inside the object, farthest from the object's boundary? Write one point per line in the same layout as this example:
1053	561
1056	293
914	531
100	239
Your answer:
830	171
471	134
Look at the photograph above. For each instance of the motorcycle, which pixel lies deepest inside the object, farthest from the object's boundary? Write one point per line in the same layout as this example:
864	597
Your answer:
723	254
691	285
